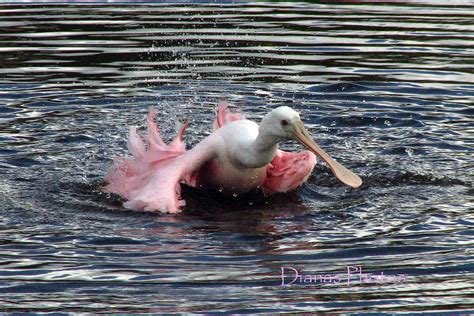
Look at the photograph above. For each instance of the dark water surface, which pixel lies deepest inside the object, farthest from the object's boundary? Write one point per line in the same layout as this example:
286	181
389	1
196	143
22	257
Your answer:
386	89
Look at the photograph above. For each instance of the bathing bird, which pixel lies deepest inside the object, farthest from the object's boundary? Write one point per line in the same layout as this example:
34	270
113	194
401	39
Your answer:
237	157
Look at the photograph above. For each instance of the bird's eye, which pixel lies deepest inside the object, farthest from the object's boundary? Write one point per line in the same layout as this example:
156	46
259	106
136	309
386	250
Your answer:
284	122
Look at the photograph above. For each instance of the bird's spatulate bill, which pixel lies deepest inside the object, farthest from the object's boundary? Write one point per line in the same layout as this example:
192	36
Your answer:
342	173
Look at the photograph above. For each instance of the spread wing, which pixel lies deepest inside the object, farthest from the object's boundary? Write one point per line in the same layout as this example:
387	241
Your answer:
150	179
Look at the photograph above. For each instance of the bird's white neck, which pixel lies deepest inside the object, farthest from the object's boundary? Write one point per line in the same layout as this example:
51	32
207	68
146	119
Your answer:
263	149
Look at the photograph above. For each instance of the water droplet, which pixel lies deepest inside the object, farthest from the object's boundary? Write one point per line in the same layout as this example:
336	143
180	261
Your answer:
387	122
221	189
409	151
234	194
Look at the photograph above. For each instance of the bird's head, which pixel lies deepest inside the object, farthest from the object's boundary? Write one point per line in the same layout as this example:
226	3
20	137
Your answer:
285	123
280	122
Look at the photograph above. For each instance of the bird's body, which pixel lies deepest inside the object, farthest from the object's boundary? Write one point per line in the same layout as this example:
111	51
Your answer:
238	156
235	168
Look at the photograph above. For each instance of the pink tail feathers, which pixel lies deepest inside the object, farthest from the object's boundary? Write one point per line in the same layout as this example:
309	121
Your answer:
147	179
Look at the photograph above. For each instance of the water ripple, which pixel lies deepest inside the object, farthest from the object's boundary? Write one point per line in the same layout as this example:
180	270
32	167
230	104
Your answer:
386	89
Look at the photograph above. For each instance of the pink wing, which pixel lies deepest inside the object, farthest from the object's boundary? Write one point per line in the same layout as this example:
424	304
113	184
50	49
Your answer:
150	179
288	170
225	116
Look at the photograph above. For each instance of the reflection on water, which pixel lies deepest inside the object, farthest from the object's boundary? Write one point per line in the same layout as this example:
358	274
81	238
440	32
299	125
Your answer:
387	89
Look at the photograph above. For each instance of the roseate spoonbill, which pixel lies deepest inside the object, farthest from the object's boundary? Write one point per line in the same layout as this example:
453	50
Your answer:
237	157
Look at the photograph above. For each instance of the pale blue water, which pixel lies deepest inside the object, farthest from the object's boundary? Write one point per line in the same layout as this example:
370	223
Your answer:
387	89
